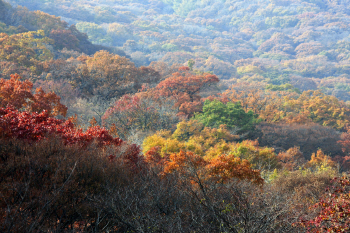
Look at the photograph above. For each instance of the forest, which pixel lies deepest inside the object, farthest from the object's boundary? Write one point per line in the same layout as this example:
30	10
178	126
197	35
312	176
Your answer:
174	116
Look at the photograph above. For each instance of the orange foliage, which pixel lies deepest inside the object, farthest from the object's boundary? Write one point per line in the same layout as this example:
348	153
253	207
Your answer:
320	159
225	167
15	92
184	162
252	97
220	169
18	94
291	159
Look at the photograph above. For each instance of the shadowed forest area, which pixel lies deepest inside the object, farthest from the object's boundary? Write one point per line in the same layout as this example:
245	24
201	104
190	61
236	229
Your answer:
174	116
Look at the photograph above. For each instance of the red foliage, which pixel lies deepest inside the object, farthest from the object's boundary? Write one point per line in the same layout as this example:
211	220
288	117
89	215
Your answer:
153	156
184	88
19	94
178	85
36	126
133	159
184	68
33	127
15	92
334	209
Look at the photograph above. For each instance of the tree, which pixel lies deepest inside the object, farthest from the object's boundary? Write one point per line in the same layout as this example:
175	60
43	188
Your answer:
210	143
51	172
253	97
191	63
307	137
345	141
139	113
18	94
189	136
34	127
184	87
292	159
232	115
317	107
320	161
64	39
111	76
25	49
220	169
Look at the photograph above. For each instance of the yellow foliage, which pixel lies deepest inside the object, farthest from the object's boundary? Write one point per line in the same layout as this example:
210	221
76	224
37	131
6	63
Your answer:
321	162
185	129
167	145
249	69
218	149
153	141
211	143
319	108
260	158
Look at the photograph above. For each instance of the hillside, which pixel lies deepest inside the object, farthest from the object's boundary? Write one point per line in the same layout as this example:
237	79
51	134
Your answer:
304	43
174	116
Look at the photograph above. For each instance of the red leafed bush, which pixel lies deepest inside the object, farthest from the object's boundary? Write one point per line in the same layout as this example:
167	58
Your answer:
36	126
333	209
52	175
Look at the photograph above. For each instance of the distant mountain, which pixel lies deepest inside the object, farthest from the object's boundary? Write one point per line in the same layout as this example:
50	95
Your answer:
20	19
303	43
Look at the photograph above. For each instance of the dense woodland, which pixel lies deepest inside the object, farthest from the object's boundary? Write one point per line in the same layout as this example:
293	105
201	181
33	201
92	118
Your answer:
174	116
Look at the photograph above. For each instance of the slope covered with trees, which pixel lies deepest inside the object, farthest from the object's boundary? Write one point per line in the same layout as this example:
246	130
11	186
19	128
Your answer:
302	43
174	116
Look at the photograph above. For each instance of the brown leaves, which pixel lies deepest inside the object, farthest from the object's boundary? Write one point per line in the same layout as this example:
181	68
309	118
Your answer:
111	76
291	159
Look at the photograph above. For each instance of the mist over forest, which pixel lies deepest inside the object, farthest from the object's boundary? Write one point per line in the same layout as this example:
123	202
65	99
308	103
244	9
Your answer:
302	43
174	115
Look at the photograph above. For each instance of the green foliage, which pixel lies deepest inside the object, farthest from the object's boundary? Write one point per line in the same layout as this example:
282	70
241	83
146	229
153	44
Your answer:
183	7
96	33
283	87
216	113
169	47
191	63
7	29
282	22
